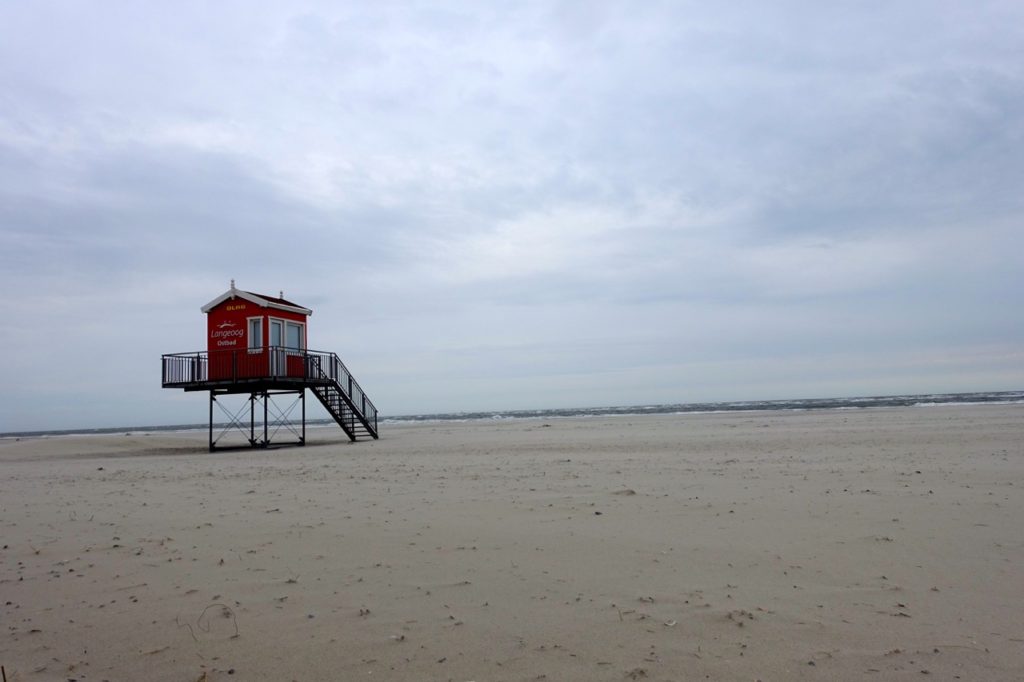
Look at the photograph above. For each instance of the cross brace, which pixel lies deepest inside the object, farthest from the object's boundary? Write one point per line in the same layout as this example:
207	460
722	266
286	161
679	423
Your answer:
275	418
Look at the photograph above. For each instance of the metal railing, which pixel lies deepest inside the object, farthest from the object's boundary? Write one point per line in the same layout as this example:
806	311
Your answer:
273	363
330	367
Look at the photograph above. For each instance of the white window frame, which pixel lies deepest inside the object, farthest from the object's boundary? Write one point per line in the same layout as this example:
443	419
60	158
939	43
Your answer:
270	332
302	334
258	346
284	332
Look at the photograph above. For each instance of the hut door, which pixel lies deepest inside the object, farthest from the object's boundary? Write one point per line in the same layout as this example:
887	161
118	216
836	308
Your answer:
277	359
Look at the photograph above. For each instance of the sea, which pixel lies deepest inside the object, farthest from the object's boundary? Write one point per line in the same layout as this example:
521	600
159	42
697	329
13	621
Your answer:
804	404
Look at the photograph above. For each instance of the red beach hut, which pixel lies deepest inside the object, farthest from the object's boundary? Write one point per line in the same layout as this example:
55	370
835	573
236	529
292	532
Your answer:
258	345
271	330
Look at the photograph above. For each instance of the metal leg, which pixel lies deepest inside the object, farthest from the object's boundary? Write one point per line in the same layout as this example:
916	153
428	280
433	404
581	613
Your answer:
266	440
211	420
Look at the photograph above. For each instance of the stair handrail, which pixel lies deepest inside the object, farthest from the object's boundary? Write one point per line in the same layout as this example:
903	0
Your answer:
350	388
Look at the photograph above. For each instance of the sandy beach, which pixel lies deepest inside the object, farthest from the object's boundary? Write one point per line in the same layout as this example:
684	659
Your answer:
843	545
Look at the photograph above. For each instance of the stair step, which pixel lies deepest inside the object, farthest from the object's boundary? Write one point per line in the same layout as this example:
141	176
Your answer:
338	405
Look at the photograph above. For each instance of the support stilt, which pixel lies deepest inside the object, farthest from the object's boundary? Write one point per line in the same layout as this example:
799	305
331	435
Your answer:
274	419
211	421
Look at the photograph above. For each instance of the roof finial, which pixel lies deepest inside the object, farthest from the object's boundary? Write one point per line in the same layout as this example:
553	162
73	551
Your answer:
280	294
232	284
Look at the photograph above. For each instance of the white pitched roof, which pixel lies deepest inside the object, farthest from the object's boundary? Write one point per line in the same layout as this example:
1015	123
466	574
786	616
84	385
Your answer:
258	299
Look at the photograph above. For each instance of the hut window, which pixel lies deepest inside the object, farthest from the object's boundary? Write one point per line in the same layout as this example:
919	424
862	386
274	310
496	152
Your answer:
293	332
255	333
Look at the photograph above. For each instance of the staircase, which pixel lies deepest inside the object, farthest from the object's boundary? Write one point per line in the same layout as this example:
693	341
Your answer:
337	390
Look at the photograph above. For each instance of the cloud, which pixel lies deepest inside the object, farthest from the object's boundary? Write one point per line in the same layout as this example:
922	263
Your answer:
683	198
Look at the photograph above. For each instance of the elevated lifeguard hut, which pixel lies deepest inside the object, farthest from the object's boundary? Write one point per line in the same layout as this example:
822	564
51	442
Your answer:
257	345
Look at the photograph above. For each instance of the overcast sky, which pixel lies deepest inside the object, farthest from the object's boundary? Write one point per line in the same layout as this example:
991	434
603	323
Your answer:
496	205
